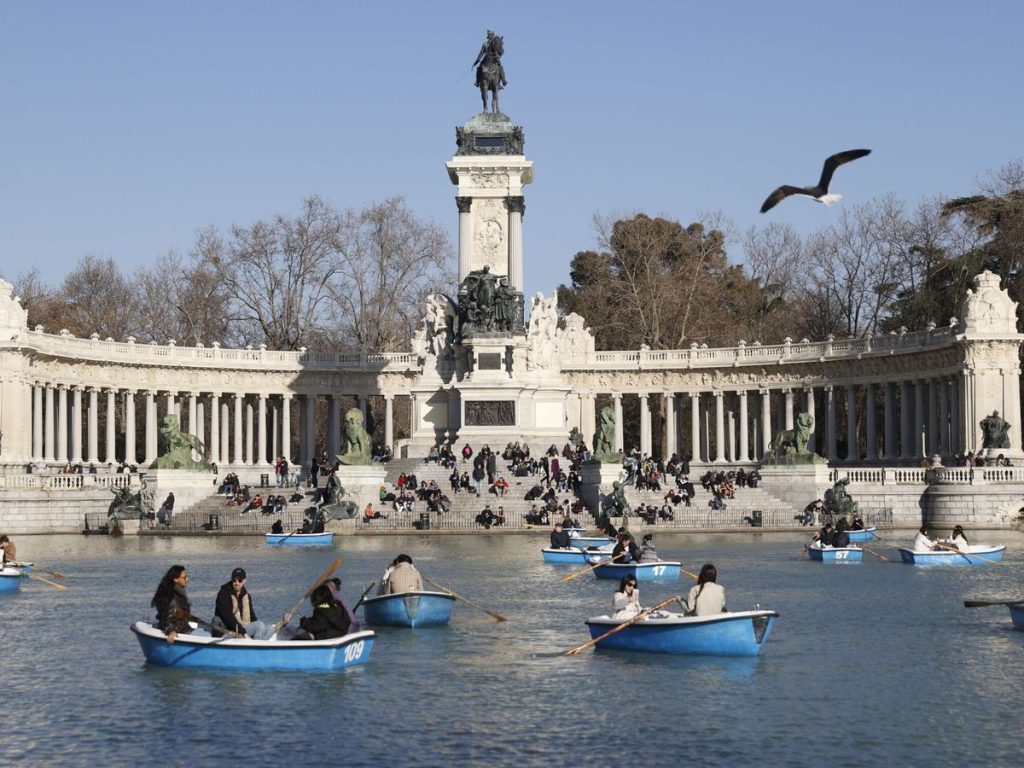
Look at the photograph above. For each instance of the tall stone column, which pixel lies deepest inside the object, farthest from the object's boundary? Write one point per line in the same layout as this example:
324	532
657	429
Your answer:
812	441
852	453
110	454
172	406
921	420
225	431
956	444
37	422
645	424
906	421
261	420
92	433
933	417
830	415
669	400
617	398
890	421
744	428
588	418
333	425
695	426
237	455
943	433
76	425
286	427
130	435
871	419
193	413
389	421
766	420
250	457
215	427
465	205
789	408
730	435
516	210
719	426
201	430
62	423
151	441
50	453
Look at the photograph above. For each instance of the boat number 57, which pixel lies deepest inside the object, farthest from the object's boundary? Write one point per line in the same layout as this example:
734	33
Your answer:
841	555
354	651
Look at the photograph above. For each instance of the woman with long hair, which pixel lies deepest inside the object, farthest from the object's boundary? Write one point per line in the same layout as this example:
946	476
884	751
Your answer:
707	598
172	604
626	602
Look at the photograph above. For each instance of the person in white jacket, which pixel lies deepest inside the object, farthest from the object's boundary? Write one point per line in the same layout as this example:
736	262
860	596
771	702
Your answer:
626	602
921	542
707	598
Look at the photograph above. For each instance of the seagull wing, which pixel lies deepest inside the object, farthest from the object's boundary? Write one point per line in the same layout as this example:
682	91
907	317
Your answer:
834	162
781	194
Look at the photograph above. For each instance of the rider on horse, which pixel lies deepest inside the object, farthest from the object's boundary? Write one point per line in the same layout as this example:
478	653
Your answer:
490	54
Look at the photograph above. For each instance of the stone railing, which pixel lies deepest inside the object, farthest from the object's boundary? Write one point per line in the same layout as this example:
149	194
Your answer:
64	482
930	475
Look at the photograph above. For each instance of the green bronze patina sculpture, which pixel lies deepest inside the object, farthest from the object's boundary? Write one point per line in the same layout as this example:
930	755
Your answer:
178	447
604	438
490	74
995	431
793	441
358	450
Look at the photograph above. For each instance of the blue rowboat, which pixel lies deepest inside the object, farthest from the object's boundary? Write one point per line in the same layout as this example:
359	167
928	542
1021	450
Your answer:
25	568
299	539
243	654
1017	615
10	579
584	542
410	609
726	634
866	535
573	556
975	554
659	570
835	554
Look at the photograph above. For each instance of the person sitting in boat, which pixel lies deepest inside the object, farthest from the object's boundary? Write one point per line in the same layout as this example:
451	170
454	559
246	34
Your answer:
307	526
921	542
402	576
277	527
825	537
958	539
318	523
857	524
233	609
328	620
560	538
334	584
173	608
10	552
625	550
841	538
707	597
626	602
648	553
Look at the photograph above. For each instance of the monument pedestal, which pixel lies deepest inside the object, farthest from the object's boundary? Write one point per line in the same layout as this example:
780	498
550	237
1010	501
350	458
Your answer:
596	483
362	484
796	484
189	486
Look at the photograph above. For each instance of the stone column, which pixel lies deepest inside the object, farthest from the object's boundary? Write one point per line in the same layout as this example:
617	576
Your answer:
465	205
906	421
645	424
920	420
37	422
225	431
695	426
286	427
830	415
389	421
333	425
617	398
237	456
669	401
250	457
516	210
933	416
730	433
890	421
201	429
719	426
275	430
766	420
871	419
62	423
588	418
172	406
192	413
744	429
215	427
92	432
789	408
812	441
852	453
151	441
76	426
955	411
943	436
111	451
261	420
130	435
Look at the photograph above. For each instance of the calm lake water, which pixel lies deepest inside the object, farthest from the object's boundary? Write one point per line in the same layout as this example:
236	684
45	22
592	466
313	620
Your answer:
870	664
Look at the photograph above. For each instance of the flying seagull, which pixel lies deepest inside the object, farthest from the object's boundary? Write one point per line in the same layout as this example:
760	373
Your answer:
820	192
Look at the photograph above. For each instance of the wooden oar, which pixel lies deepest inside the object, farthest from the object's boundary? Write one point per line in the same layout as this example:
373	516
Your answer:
866	549
967	555
613	630
495	616
209	625
693	576
55	574
291	611
53	584
986	603
362	597
585	571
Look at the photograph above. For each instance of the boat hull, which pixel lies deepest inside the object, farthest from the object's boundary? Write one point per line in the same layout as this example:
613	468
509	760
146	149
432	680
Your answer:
300	539
835	554
571	556
976	555
191	652
727	634
662	570
866	535
583	542
10	579
1017	615
409	609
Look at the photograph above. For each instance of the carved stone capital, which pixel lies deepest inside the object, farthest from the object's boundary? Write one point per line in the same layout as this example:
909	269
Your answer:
463	203
516	204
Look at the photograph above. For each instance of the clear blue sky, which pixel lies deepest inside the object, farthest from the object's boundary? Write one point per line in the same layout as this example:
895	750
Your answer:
128	126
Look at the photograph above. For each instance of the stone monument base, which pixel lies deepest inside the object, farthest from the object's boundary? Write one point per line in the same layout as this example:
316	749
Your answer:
189	486
362	484
596	483
796	484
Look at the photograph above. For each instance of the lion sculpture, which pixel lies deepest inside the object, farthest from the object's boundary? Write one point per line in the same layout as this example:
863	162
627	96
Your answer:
358	450
178	447
791	442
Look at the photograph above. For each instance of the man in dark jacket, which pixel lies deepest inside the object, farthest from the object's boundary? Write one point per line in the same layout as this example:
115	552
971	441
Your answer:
560	539
233	610
625	550
328	620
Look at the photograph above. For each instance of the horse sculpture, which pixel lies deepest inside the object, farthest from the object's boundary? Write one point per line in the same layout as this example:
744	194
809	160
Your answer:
490	75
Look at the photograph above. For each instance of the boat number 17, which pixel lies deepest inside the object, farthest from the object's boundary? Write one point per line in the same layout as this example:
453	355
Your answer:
354	651
658	570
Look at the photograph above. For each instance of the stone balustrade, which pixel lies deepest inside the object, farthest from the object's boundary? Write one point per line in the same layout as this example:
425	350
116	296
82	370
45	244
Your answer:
64	482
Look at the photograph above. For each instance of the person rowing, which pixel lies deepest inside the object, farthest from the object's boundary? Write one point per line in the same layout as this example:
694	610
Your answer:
234	612
707	597
560	538
625	550
921	542
825	537
958	539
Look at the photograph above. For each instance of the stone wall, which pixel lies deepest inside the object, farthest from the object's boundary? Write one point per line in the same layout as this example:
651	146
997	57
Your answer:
59	511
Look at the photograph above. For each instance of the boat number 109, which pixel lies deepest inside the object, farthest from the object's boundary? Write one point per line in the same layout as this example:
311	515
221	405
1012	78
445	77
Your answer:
354	651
